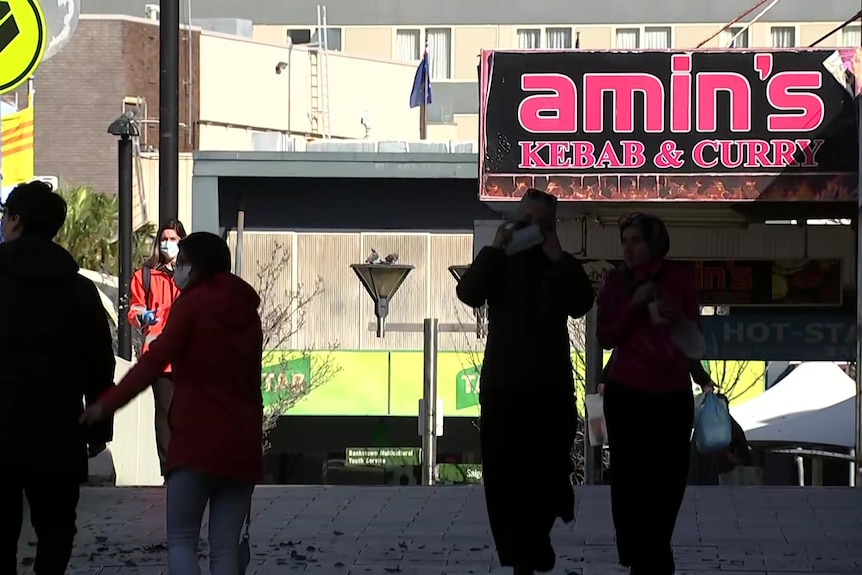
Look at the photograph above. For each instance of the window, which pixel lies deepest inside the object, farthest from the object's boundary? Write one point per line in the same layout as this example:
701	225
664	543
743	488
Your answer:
559	38
333	39
783	37
628	38
730	36
408	45
529	39
439	52
300	36
656	38
851	36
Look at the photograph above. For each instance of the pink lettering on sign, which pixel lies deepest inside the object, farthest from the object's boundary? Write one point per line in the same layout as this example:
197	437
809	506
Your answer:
622	88
580	155
553	104
553	111
732	154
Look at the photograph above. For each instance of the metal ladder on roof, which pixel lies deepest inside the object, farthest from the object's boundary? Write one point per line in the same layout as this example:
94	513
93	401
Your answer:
319	84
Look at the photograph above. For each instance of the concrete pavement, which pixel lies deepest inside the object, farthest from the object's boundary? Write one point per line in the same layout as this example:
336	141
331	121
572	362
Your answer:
443	530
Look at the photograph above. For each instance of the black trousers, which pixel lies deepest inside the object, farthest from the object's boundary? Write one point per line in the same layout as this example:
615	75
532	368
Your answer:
53	500
163	394
648	436
526	472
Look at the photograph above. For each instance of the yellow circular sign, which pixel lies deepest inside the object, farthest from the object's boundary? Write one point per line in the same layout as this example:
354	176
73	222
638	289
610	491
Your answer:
22	41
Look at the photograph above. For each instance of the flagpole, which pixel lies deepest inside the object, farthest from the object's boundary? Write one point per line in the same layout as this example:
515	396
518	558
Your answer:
423	109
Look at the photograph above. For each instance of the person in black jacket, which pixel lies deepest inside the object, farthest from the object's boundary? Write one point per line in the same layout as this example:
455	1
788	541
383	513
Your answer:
529	417
56	349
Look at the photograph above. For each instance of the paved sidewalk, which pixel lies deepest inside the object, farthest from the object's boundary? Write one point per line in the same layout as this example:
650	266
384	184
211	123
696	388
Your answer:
443	530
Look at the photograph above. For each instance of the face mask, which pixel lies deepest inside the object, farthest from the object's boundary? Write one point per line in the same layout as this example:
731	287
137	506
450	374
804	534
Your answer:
181	276
525	238
169	248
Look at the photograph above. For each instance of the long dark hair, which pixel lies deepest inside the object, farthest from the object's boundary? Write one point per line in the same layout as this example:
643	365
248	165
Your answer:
157	258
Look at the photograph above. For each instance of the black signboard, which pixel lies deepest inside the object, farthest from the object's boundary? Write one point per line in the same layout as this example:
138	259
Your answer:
581	114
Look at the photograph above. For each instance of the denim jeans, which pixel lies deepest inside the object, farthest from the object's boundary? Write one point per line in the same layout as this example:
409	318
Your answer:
188	495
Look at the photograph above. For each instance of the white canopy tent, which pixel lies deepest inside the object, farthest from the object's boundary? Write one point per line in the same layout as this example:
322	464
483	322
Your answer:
814	405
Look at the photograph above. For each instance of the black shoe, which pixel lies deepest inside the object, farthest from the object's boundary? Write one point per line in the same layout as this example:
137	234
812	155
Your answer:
523	571
546	559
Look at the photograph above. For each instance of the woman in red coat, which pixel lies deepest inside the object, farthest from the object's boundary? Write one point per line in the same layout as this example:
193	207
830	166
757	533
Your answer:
648	399
214	342
152	294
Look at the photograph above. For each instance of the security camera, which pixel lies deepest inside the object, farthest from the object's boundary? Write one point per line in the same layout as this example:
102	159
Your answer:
280	67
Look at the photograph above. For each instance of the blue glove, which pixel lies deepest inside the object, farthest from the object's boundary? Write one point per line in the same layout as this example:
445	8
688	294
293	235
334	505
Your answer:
149	318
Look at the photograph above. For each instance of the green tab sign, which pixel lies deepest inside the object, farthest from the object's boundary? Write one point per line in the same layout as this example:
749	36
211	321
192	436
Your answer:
467	388
459	473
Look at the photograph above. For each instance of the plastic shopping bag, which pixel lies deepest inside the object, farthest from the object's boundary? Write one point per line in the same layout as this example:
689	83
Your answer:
596	425
713	427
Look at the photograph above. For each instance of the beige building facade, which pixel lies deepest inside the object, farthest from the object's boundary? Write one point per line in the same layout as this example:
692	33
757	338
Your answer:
460	45
454	50
362	35
268	96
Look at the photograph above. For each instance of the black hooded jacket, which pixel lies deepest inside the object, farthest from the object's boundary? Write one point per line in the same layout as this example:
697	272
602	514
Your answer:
56	349
530	300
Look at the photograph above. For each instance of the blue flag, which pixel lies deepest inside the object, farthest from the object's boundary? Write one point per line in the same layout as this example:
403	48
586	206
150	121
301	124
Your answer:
420	95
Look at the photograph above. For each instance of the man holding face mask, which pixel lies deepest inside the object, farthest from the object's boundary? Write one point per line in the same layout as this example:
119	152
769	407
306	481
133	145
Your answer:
532	287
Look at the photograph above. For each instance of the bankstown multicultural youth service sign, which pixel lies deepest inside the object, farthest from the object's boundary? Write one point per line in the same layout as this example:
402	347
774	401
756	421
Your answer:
737	125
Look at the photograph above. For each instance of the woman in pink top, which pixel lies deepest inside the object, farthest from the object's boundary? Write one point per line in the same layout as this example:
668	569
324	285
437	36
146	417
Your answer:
648	400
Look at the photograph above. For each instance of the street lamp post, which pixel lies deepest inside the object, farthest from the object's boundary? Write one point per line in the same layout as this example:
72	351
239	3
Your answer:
169	108
382	281
480	313
125	129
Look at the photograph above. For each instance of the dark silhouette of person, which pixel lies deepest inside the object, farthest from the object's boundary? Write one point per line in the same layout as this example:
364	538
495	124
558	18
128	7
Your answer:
527	396
648	398
56	351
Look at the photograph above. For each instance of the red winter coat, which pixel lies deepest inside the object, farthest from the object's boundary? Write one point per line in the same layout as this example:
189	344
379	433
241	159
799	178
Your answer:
163	292
214	341
644	356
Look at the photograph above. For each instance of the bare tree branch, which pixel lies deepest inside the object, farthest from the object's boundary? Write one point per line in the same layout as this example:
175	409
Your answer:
578	344
471	352
733	378
289	375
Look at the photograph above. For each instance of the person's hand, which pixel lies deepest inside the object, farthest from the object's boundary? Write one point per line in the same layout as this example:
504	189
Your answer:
93	414
95	449
644	294
149	317
601	389
708	387
504	235
552	247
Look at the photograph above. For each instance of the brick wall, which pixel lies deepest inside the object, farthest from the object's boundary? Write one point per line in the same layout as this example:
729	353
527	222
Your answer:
80	92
